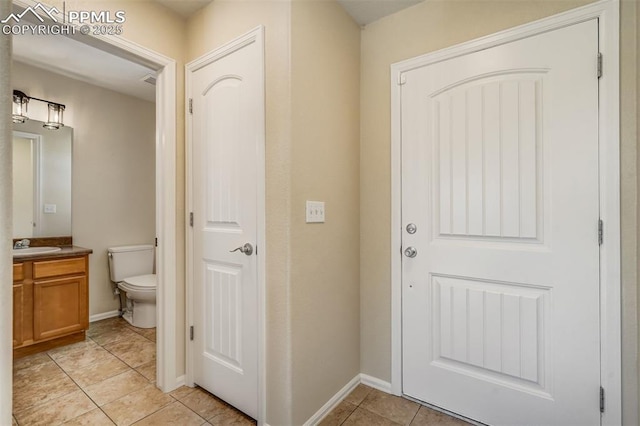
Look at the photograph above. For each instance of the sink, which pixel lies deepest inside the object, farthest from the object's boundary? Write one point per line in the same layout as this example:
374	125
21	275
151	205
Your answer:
36	250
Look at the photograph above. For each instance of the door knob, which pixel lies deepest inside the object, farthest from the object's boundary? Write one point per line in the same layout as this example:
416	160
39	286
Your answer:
246	249
410	252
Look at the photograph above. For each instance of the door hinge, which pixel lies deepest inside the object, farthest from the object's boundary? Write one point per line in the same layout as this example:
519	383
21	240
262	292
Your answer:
190	105
600	231
191	333
156	241
601	399
599	64
191	219
402	79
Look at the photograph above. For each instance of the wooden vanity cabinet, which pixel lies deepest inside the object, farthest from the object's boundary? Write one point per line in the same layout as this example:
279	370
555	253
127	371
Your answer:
51	303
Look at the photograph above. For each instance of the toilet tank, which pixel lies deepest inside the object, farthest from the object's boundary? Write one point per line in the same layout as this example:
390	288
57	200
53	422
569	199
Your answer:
130	261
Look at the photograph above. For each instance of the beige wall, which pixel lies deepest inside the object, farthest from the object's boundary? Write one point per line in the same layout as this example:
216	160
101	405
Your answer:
217	24
325	82
424	28
113	179
626	360
629	213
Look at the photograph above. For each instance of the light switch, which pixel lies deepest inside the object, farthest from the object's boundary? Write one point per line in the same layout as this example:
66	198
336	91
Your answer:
315	211
49	208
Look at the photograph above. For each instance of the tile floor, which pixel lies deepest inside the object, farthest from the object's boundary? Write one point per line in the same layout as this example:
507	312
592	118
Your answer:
367	406
110	379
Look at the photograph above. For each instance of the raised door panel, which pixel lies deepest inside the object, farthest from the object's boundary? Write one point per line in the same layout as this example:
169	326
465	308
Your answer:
60	307
487	149
223	331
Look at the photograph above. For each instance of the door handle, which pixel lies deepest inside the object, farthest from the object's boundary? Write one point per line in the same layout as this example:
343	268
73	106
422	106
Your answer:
411	252
246	249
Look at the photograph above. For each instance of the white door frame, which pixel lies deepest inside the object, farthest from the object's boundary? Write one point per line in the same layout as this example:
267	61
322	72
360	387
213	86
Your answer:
256	35
167	344
607	11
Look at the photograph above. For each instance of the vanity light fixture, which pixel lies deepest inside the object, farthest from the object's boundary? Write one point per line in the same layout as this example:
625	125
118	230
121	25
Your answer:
54	116
54	110
19	110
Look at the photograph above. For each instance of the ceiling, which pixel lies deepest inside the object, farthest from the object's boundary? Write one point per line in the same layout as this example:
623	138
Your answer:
362	11
185	8
79	61
366	11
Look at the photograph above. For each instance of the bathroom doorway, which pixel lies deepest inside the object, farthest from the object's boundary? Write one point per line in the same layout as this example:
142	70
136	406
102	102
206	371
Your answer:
169	330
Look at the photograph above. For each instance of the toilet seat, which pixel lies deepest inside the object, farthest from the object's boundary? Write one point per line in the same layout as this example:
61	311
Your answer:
141	282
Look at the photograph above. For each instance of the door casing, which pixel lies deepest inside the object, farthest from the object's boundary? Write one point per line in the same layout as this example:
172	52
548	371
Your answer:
607	13
256	35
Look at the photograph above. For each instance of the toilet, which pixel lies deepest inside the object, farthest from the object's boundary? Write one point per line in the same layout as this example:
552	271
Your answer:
131	267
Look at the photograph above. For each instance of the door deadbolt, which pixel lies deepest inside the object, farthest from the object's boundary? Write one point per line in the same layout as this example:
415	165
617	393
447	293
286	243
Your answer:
412	228
410	252
246	249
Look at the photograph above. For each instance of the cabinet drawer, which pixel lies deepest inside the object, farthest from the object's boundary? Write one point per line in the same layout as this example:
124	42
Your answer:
53	268
18	272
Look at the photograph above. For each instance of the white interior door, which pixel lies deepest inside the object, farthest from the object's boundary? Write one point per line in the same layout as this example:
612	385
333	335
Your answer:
500	305
227	130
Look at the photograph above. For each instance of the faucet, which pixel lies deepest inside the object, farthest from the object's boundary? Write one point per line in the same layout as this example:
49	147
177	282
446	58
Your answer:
22	244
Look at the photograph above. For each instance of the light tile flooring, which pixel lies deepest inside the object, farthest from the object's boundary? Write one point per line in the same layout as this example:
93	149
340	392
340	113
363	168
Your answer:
367	406
110	379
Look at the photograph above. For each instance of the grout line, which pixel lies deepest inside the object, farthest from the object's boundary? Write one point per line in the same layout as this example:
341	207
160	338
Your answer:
80	388
105	413
203	419
415	415
129	368
35	406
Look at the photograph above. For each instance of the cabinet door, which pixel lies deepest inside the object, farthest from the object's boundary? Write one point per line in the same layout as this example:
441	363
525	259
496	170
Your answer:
60	307
18	294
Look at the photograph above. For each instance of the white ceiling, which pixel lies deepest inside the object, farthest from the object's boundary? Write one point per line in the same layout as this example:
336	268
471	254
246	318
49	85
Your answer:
79	61
366	11
185	8
362	11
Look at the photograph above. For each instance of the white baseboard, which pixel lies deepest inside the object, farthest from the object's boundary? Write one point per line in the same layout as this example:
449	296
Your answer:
375	383
181	380
333	402
104	315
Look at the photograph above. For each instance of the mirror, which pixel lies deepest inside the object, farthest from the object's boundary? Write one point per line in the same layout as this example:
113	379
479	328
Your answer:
41	180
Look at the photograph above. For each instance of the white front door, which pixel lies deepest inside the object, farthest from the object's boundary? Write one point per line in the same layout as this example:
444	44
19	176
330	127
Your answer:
227	130
500	303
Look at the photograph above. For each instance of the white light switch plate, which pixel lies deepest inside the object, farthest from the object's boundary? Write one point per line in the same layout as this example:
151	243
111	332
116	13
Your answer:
49	208
315	211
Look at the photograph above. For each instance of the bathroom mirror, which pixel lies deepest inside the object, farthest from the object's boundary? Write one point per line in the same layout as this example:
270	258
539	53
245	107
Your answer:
41	180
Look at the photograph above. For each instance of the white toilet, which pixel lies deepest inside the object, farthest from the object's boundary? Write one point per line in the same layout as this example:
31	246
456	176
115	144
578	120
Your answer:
131	267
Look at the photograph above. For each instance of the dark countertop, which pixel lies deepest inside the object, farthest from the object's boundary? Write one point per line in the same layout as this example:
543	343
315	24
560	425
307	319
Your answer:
66	251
